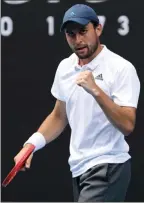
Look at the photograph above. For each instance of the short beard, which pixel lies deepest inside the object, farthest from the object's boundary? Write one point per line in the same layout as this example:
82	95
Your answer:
91	51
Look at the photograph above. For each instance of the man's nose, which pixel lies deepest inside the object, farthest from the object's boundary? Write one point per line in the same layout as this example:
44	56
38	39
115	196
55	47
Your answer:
78	38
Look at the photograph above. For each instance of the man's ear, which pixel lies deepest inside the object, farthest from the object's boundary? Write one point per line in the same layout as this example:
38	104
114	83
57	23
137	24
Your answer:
99	29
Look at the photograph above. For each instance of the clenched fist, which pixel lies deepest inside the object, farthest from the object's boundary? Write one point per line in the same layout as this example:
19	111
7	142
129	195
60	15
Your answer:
86	80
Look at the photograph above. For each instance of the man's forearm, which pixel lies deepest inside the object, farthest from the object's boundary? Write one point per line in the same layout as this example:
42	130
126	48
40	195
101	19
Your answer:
52	127
117	115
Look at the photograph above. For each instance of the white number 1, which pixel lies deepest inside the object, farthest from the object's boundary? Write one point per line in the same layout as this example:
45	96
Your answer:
50	21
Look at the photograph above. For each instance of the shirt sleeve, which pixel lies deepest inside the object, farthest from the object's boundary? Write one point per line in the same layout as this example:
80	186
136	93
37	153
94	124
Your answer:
56	89
126	88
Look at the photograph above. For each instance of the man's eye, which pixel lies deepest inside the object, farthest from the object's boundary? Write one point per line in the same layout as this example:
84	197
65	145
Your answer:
71	34
83	31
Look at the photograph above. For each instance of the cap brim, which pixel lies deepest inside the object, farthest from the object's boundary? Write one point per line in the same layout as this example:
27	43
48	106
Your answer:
81	21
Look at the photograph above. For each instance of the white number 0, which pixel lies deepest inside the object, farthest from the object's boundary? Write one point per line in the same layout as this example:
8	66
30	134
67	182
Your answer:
124	22
6	26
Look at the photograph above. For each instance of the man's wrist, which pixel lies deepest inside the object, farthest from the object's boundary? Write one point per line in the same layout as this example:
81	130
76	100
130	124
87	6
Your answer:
37	139
95	92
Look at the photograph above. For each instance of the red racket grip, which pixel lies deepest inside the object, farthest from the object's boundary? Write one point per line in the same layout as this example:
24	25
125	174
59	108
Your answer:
18	166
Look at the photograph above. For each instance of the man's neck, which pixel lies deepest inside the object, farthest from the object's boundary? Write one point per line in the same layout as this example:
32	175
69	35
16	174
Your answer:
86	61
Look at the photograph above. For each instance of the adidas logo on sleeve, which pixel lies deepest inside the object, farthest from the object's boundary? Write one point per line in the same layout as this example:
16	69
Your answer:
99	77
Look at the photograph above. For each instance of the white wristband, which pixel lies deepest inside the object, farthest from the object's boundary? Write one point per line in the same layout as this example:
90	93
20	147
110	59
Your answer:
38	140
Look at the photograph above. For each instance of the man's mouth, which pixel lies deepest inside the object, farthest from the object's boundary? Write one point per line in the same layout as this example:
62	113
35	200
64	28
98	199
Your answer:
80	48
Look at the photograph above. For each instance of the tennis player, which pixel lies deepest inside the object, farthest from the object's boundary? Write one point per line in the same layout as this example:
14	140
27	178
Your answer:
97	94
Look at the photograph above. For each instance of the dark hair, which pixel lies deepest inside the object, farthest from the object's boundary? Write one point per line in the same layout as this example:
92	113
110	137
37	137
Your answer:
95	24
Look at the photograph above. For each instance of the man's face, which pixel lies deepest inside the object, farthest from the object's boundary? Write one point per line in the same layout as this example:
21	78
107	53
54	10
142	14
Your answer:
83	40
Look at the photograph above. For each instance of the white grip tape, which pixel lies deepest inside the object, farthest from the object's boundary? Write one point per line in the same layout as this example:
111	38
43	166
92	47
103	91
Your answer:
38	140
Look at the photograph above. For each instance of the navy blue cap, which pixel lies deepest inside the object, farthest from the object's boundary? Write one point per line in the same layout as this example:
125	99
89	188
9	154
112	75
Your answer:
81	14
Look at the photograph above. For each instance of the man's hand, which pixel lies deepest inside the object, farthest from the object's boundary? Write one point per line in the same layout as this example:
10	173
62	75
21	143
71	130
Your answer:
121	117
20	155
86	80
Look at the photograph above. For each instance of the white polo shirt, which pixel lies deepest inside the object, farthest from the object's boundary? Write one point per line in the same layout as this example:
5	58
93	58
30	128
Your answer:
94	140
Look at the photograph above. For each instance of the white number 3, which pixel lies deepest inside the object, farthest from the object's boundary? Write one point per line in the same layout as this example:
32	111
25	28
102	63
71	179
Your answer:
124	22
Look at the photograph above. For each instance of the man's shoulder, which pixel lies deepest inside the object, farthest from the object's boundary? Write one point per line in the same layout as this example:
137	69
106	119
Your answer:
68	62
117	61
